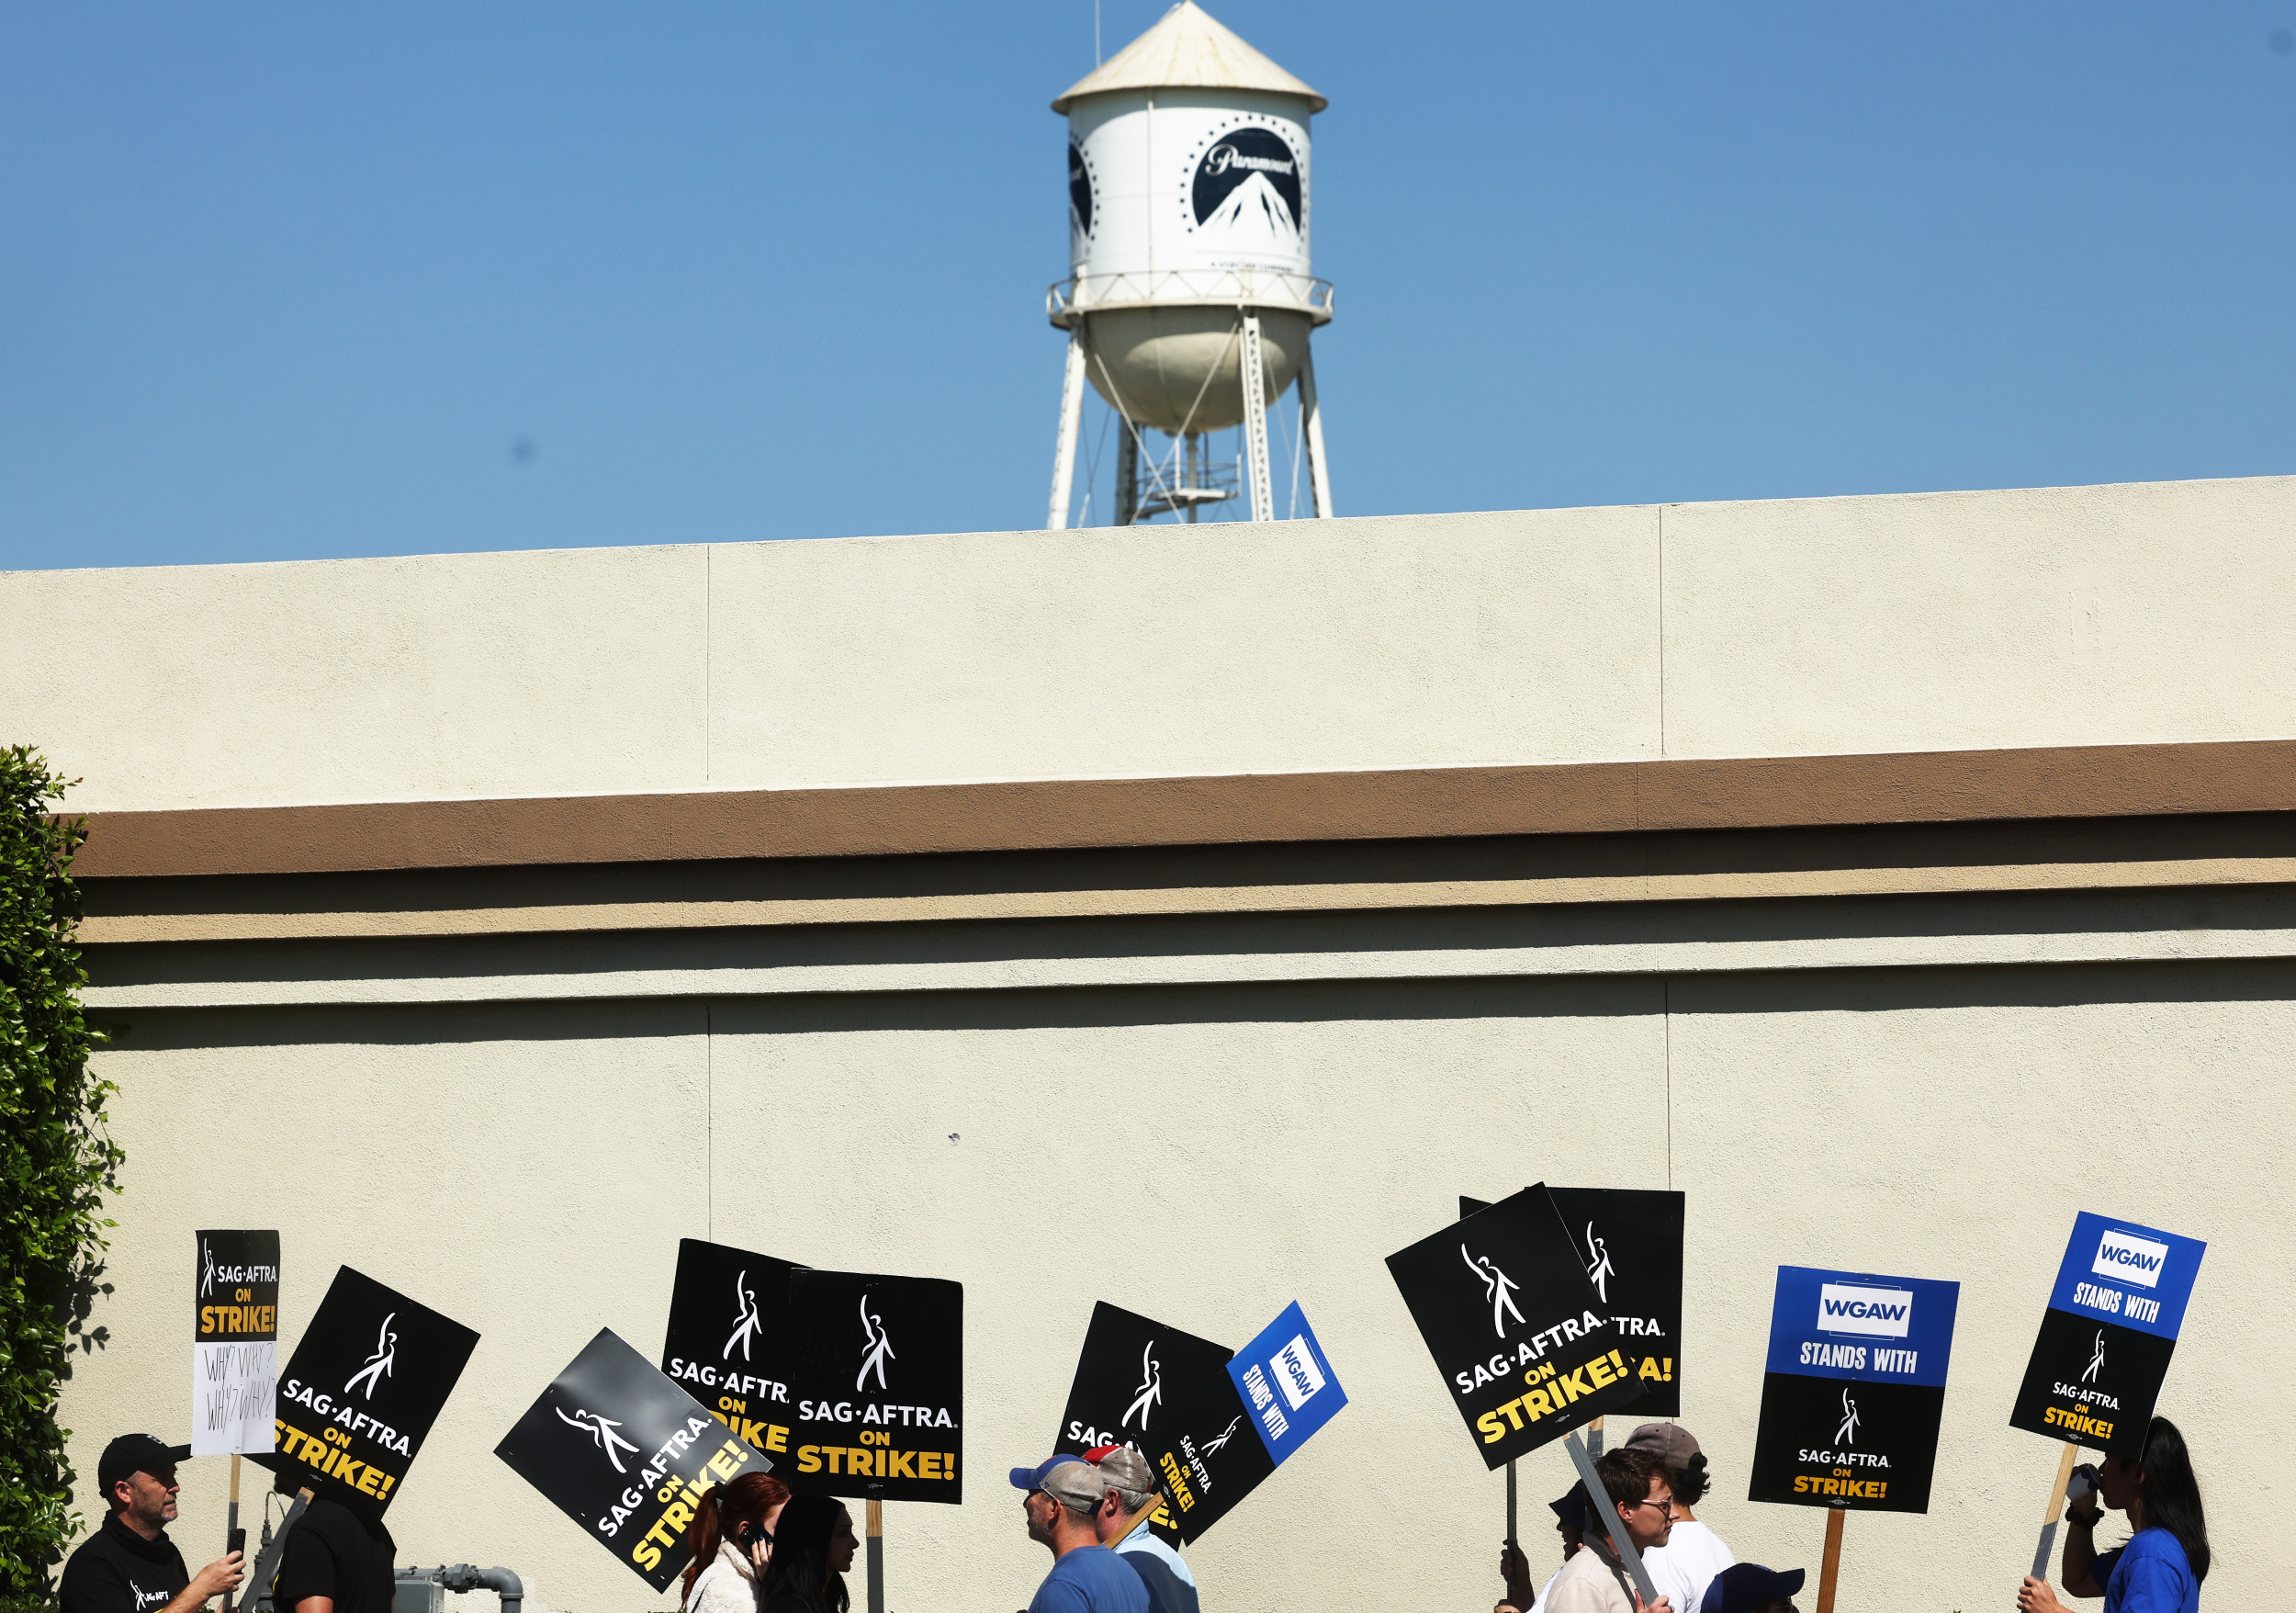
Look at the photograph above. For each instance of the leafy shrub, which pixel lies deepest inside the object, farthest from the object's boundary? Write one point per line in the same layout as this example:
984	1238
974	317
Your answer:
56	1164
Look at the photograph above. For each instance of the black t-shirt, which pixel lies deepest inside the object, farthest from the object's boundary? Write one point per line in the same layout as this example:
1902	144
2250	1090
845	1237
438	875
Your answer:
116	1570
331	1554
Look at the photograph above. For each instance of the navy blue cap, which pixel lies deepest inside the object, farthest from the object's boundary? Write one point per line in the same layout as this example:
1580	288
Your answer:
1747	1585
1572	1509
1032	1478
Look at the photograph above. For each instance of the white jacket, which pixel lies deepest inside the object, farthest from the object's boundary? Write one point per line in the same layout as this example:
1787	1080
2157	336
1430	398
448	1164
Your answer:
724	1587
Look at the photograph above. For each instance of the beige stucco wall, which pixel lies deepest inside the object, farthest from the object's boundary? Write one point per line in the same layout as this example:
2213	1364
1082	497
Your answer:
518	1129
1909	622
528	1169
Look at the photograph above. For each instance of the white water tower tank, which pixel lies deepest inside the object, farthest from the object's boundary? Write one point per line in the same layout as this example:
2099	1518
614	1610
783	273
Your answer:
1189	207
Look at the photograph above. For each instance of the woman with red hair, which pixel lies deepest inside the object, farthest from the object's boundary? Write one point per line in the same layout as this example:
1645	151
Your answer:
732	1536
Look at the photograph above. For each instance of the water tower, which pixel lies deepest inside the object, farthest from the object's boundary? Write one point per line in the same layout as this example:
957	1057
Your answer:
1189	299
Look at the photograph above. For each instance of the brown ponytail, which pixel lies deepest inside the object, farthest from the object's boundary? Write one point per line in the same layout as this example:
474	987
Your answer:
724	1508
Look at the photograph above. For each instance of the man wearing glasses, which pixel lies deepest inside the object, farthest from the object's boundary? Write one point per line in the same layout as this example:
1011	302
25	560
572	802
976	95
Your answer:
1594	1580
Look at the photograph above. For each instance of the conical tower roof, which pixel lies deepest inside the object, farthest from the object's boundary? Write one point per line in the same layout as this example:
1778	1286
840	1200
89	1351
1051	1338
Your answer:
1188	49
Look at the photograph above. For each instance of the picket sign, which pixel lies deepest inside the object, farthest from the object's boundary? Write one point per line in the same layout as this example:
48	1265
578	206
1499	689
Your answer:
1831	1569
2104	1346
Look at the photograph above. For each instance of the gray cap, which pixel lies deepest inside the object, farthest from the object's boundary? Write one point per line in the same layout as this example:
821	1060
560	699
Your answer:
1077	1485
1128	1469
1669	1442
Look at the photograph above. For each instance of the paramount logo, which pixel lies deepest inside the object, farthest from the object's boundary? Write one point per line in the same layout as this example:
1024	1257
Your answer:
1872	1312
2125	1259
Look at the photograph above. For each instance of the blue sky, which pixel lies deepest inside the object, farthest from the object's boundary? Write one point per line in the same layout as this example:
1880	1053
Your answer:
293	281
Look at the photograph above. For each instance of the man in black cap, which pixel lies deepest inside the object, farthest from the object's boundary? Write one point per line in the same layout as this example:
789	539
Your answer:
128	1566
1748	1588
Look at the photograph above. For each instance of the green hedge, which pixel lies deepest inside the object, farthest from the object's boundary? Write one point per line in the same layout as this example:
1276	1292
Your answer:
56	1166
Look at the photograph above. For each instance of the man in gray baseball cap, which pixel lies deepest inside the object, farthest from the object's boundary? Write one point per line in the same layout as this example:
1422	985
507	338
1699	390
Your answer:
1061	1497
1692	1554
1125	1525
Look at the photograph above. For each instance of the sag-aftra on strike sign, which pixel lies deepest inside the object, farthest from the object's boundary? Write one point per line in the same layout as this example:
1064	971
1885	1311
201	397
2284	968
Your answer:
627	1454
2107	1336
1515	1325
1854	1390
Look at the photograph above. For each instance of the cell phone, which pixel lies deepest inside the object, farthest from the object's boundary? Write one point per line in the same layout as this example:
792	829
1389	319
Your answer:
750	1533
235	1541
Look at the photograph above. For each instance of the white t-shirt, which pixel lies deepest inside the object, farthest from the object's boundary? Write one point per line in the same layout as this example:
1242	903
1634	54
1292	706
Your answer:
1686	1565
1540	1606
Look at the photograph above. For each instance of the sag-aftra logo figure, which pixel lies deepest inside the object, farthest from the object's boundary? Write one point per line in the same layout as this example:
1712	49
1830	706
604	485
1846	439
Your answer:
1498	1288
379	1365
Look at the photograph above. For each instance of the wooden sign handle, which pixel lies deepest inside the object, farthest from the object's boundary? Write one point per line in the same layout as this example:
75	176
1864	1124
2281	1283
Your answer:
230	1522
1831	1569
2042	1553
876	1527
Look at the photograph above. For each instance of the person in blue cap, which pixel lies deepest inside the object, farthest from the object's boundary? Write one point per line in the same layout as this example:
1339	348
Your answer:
1062	1496
1748	1588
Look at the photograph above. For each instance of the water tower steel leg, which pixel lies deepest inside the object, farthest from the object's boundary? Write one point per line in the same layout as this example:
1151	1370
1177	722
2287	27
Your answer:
1259	472
1072	411
1319	472
1127	471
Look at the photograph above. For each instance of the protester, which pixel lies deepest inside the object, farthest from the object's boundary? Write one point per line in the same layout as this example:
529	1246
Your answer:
128	1564
722	1577
1595	1580
1516	1570
1748	1588
332	1556
1061	1497
1694	1554
1122	1525
813	1546
2161	1567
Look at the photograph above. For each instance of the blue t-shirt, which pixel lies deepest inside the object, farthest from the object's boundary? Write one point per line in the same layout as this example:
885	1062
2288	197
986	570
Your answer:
1090	1579
2148	1575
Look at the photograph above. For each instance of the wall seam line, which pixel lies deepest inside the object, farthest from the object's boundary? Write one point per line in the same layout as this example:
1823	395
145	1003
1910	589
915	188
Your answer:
709	621
709	1121
1661	631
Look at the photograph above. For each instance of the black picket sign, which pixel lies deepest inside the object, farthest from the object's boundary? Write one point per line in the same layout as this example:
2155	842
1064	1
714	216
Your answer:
235	1343
2093	1383
728	1339
1809	1427
362	1390
627	1454
1631	1240
237	1296
1132	1375
876	1376
1505	1303
1208	1454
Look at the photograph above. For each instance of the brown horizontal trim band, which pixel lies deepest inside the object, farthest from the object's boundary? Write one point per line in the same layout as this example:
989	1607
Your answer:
1945	786
141	929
